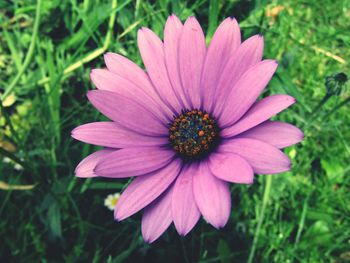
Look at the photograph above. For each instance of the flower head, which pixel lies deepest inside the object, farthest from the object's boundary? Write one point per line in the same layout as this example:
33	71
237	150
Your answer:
111	201
188	127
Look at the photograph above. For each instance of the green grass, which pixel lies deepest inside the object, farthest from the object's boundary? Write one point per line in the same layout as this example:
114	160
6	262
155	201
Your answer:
47	49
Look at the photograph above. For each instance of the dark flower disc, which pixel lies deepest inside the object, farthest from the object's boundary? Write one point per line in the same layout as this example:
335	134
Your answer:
193	134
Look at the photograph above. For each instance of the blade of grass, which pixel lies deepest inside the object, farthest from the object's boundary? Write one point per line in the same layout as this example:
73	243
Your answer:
261	217
30	52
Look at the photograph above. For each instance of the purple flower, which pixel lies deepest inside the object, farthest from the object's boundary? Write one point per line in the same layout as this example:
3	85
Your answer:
188	127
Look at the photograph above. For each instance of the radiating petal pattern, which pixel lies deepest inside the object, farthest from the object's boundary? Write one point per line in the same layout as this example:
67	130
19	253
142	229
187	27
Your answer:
184	208
212	196
192	51
246	91
258	113
187	125
157	217
172	33
263	157
127	112
224	43
108	80
152	53
144	189
85	168
278	134
109	134
231	167
247	55
128	70
134	161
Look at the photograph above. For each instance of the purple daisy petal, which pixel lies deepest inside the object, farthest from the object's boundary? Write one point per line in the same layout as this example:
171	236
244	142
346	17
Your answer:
231	167
145	189
127	112
212	196
278	134
192	51
133	162
107	80
184	208
247	55
224	43
85	168
152	53
109	134
157	217
258	113
246	91
172	33
263	157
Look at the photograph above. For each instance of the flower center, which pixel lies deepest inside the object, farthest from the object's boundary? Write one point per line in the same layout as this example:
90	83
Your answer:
193	134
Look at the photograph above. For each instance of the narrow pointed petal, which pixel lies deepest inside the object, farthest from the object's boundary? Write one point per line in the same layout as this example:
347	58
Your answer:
107	80
248	54
231	167
133	162
224	43
263	157
212	196
152	53
246	91
172	33
157	217
145	189
278	134
109	134
184	208
258	113
192	51
127	112
85	168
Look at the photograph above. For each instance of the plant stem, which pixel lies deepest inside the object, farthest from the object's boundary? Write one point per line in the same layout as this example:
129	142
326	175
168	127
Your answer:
337	107
261	217
317	109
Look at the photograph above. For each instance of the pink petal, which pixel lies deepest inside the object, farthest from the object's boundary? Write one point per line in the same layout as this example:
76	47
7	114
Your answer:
152	53
212	196
263	157
246	91
192	51
278	134
144	189
109	134
128	70
133	162
185	211
225	41
172	32
85	168
157	217
127	112
246	56
107	80
231	167
258	113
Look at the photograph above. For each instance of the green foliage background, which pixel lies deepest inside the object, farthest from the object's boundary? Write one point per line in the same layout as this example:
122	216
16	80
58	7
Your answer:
47	49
